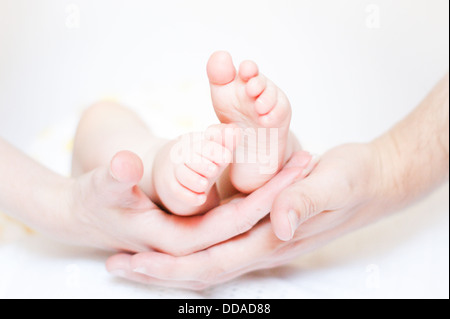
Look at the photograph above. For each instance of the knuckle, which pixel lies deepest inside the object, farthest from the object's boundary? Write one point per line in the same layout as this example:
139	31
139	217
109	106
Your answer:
209	277
306	207
211	273
244	224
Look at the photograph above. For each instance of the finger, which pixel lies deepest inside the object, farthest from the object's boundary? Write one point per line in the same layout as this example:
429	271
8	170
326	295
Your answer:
126	168
182	284
117	185
181	236
259	249
119	266
125	171
262	199
300	202
214	265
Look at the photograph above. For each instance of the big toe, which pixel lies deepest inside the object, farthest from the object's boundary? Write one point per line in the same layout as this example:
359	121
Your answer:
221	70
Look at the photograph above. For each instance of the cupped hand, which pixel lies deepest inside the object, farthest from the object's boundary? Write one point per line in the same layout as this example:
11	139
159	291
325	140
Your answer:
340	195
109	211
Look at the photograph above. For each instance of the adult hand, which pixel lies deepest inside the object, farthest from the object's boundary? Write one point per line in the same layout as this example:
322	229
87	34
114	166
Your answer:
338	188
352	186
109	211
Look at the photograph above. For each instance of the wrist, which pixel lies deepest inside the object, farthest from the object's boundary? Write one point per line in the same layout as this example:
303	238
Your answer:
51	211
61	212
390	189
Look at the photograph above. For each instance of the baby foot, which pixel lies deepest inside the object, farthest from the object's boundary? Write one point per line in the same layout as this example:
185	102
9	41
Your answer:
186	170
252	101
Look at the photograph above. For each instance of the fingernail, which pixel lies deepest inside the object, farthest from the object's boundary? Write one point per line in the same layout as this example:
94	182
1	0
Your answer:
306	159
299	160
312	164
293	220
113	175
118	273
140	270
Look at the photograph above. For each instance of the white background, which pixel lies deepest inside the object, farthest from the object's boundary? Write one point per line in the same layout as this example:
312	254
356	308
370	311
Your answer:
347	81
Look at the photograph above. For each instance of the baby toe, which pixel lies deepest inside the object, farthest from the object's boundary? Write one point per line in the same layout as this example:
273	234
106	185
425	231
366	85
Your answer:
256	86
226	135
203	167
248	70
216	153
191	180
192	199
279	116
267	101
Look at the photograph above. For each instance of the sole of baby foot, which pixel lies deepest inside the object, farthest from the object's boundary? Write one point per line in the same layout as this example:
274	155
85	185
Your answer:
249	99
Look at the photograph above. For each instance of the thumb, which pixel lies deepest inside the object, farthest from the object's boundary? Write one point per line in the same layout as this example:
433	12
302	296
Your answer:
296	204
126	168
124	173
